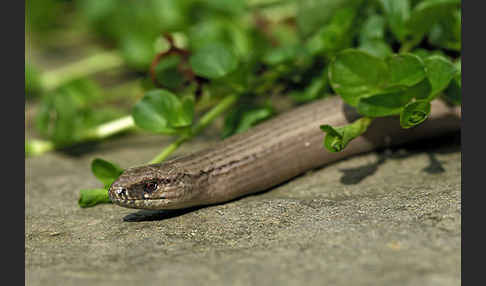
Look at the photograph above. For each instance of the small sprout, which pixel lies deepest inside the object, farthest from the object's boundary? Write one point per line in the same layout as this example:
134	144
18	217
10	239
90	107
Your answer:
105	171
414	113
92	197
337	138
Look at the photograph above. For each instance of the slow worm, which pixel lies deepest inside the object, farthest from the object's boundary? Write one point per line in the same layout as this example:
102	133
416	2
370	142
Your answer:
266	155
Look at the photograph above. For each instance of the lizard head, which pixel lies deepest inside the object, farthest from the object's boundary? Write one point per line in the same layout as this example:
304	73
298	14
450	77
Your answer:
156	187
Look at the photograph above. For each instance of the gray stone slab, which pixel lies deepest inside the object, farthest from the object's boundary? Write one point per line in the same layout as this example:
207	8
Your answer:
367	220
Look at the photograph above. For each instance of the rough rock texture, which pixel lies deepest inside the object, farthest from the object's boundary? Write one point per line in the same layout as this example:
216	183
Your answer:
377	219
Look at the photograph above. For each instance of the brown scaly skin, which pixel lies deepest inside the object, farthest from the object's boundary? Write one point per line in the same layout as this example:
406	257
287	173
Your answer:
266	155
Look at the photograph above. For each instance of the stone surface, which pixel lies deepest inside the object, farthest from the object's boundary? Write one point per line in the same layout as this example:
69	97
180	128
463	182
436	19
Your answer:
375	219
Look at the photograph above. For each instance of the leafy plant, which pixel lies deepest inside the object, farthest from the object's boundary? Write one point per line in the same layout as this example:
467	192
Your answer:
107	173
209	59
380	84
160	111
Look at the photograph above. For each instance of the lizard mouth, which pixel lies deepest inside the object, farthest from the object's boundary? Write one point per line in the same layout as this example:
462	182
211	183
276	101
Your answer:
149	204
123	194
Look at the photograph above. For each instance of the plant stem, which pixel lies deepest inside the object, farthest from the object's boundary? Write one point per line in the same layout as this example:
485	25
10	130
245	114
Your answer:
207	118
110	128
35	147
409	45
168	150
87	66
221	107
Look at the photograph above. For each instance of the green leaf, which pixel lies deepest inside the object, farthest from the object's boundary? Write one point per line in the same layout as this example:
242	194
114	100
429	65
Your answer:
244	117
453	93
440	72
400	79
65	114
405	70
372	37
384	104
373	28
334	36
354	74
187	112
92	197
56	118
105	171
83	90
281	54
447	33
414	113
96	10
138	50
421	90
168	73
32	79
458	65
429	12
423	53
377	48
220	30
134	27
213	61
337	138
397	14
43	17
231	7
317	88
252	118
160	111
312	14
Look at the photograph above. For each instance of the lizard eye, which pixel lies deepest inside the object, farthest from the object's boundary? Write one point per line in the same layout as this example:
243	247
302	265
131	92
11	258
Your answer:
150	187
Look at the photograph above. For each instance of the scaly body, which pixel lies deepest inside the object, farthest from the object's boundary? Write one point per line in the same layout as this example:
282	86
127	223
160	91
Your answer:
266	155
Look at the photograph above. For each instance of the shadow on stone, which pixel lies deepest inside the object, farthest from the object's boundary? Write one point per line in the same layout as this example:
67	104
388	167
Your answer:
87	147
81	149
352	176
435	166
441	145
153	215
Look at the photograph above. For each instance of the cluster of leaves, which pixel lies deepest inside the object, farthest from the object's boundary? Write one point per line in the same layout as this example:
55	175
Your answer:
107	173
403	85
383	57
328	53
379	83
44	16
136	26
76	112
66	115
